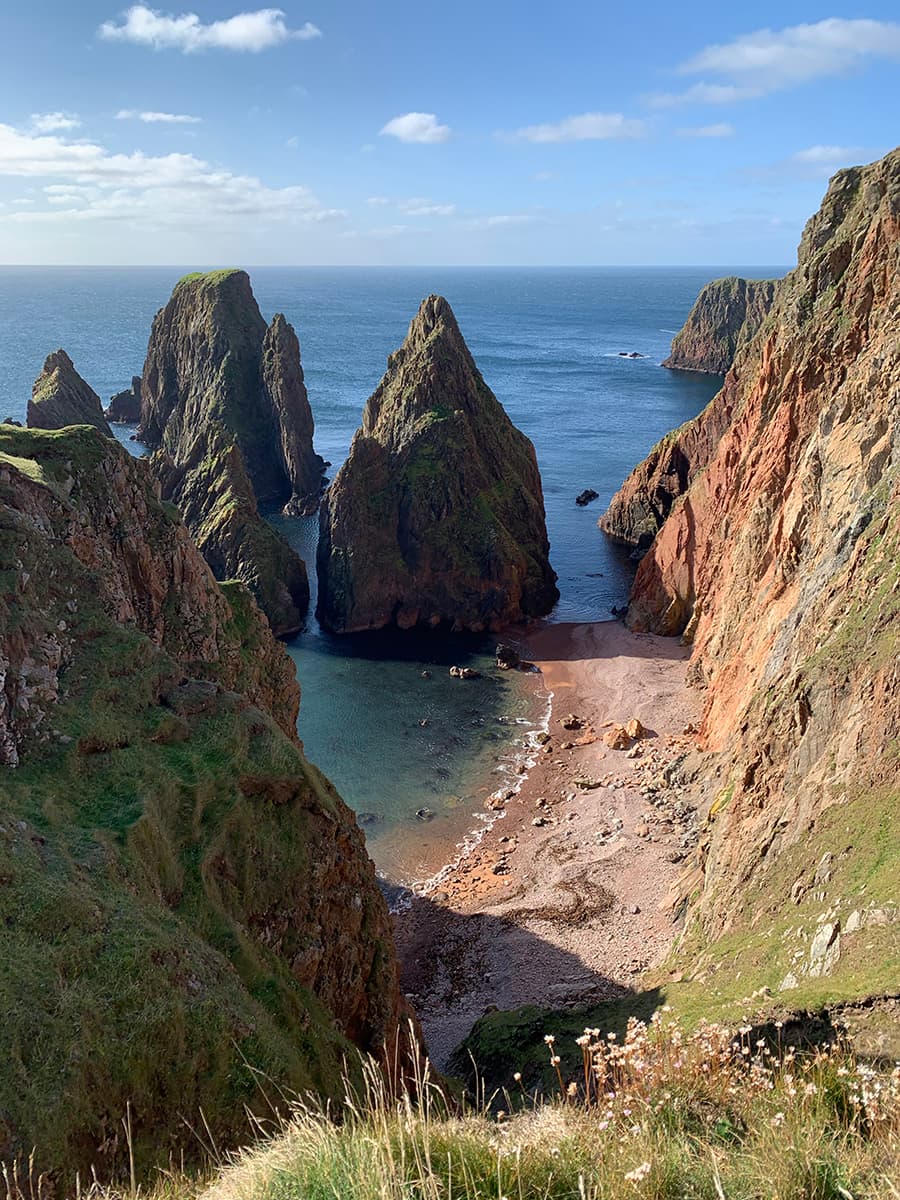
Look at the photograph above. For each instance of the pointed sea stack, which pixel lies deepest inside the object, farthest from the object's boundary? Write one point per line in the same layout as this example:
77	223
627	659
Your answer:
60	397
437	516
224	404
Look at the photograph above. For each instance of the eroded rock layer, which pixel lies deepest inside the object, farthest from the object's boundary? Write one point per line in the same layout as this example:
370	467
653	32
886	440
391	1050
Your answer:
60	397
779	557
725	316
437	516
223	400
184	899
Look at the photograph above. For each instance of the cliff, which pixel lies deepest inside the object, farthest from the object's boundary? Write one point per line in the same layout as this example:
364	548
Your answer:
437	516
725	316
777	557
125	407
186	905
223	399
60	397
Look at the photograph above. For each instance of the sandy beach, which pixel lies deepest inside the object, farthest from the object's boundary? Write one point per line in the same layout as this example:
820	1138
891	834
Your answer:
560	903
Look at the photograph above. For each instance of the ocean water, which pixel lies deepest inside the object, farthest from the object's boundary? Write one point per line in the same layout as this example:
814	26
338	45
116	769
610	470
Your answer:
380	714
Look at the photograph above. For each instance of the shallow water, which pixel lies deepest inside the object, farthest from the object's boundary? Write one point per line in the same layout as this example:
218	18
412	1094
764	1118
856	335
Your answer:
548	343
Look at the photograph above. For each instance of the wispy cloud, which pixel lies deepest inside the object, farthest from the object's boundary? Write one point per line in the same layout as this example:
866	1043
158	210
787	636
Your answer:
154	118
146	190
249	32
584	127
829	155
51	122
720	130
416	127
756	64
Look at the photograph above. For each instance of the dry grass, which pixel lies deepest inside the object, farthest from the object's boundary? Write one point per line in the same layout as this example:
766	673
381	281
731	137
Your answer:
663	1115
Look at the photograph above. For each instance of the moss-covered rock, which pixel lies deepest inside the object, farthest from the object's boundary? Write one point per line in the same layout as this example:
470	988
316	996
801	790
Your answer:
437	516
60	397
189	923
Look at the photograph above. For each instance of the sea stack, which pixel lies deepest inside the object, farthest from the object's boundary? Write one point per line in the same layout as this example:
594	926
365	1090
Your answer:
437	516
60	397
725	316
125	407
224	404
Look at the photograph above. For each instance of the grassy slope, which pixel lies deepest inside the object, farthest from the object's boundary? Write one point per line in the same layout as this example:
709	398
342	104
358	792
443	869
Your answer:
131	862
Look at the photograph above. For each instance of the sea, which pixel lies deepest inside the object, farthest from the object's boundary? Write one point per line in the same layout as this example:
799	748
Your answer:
413	751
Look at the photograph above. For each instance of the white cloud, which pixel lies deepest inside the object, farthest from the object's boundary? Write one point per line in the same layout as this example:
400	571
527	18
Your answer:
702	93
416	127
250	32
149	191
829	155
416	206
720	130
154	118
292	142
378	201
50	122
499	220
543	176
767	60
586	126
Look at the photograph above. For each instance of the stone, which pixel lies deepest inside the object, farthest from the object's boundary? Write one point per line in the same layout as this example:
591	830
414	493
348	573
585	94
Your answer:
617	738
726	315
424	814
508	658
60	398
438	510
635	729
124	408
464	673
586	497
571	722
824	950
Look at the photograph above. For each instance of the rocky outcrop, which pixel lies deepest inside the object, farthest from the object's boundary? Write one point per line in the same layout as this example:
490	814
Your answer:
437	516
124	408
186	903
60	397
223	400
778	558
725	316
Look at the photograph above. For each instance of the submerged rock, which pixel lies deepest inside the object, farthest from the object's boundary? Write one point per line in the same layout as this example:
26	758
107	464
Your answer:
60	397
586	497
125	407
437	516
223	401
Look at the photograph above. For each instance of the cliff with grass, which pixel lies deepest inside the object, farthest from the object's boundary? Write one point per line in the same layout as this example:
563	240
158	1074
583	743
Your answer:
725	316
60	397
190	928
224	403
777	558
437	516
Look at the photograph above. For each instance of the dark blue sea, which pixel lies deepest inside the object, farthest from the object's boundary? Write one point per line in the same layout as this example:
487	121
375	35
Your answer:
548	343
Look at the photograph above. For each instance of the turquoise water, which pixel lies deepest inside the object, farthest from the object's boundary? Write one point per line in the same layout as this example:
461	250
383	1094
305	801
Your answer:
548	343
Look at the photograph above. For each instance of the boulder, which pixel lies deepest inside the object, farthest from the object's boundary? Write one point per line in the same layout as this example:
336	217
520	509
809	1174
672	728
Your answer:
125	407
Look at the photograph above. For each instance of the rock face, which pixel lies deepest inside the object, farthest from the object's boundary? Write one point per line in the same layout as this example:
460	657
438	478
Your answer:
778	555
184	898
437	516
223	400
60	397
727	313
125	407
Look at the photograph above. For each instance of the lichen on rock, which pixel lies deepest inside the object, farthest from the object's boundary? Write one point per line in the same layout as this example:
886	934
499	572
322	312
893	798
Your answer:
437	516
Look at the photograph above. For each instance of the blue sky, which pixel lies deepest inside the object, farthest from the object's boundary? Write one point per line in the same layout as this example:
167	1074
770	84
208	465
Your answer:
416	133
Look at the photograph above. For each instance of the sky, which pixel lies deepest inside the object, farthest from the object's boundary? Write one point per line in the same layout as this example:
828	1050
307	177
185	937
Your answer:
332	132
